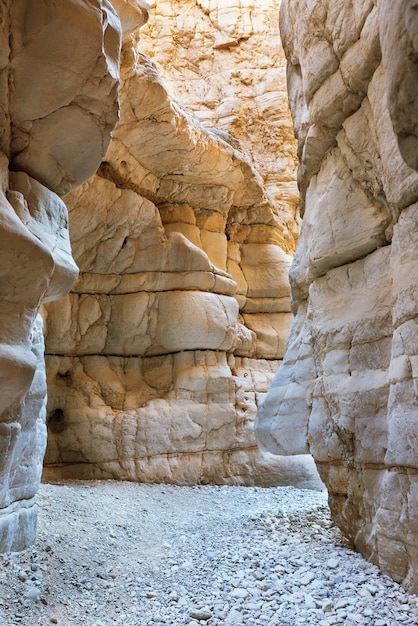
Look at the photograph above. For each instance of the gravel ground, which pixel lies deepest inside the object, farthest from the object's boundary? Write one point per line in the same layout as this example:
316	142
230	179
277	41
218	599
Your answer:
125	554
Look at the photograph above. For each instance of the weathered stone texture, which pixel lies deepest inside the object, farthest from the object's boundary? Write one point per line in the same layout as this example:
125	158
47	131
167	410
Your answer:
346	391
397	23
224	61
159	357
51	119
55	124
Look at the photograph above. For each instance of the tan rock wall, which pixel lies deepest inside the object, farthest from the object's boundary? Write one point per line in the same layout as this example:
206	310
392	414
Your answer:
346	389
161	354
224	61
55	125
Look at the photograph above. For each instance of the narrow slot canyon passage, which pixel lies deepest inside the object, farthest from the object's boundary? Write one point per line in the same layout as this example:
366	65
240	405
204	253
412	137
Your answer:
123	554
208	313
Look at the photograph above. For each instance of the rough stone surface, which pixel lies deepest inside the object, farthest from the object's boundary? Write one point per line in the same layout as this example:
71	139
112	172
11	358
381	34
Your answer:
161	354
399	53
60	130
132	14
55	125
224	61
111	553
346	391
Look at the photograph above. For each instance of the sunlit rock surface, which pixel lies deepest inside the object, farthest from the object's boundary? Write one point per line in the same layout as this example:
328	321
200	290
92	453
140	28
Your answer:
346	391
223	60
159	357
55	127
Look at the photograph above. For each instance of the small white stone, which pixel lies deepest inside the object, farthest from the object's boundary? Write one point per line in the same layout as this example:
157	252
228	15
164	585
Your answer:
239	592
309	602
307	578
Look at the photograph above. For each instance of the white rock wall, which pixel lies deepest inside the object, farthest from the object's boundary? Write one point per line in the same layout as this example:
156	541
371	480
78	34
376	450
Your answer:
347	389
55	125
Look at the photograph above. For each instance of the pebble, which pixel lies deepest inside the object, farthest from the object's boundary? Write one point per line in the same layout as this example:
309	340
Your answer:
33	593
255	557
200	614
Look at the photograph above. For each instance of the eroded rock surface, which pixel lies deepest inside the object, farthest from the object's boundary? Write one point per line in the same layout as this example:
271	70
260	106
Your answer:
224	61
347	389
55	125
159	357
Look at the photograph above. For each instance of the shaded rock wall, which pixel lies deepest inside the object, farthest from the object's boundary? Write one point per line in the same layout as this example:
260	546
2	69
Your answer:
55	126
346	391
159	357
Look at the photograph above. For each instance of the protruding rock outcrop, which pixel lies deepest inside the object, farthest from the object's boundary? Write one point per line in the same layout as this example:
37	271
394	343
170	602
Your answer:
158	358
223	60
55	126
347	389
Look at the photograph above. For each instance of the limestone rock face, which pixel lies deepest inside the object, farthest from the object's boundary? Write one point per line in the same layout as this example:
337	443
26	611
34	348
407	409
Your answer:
399	52
158	358
55	125
132	14
346	391
223	60
51	122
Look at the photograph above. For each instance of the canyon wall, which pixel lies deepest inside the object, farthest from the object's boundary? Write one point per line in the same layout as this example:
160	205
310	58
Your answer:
346	391
224	61
160	355
55	127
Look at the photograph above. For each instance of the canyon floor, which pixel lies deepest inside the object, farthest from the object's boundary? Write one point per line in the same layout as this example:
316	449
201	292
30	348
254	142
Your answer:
111	553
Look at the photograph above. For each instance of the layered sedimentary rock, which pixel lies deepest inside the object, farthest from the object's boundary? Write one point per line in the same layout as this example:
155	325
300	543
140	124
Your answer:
158	358
224	61
346	391
55	125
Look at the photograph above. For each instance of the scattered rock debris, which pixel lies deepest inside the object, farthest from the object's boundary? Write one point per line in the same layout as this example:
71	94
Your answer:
124	554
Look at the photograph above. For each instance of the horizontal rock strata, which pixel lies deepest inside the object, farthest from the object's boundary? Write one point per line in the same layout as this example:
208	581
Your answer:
159	357
224	61
346	390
